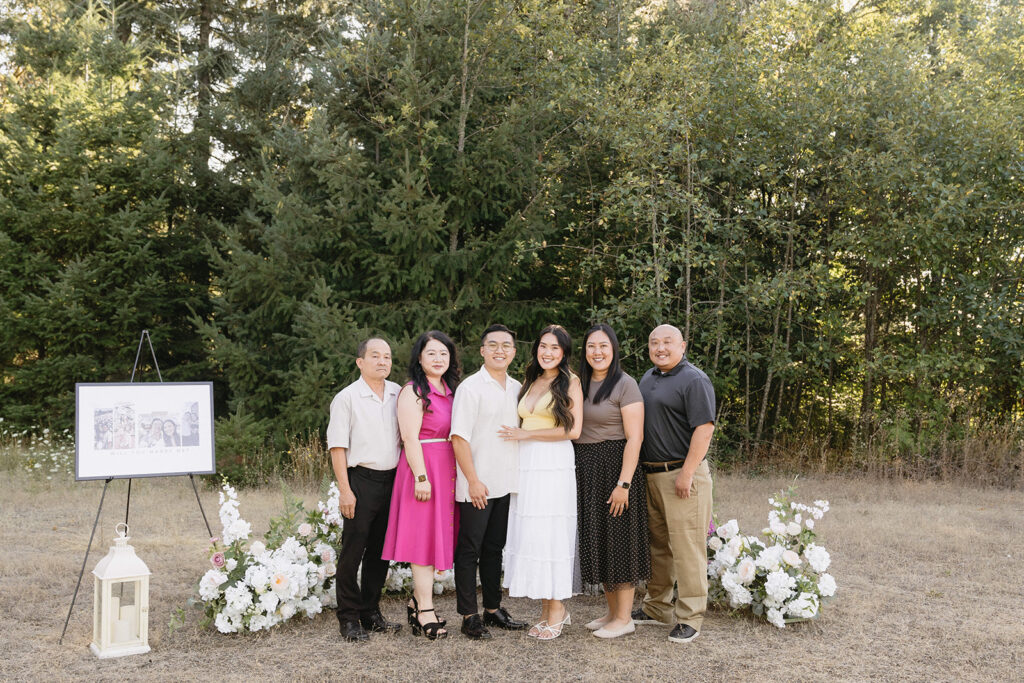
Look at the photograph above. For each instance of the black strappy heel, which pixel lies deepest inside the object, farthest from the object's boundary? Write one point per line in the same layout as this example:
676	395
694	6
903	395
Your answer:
431	630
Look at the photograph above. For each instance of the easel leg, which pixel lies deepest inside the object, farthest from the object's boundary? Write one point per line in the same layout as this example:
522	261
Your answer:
127	502
84	560
194	489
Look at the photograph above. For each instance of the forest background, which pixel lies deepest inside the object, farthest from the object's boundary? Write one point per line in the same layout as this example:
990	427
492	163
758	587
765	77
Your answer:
826	197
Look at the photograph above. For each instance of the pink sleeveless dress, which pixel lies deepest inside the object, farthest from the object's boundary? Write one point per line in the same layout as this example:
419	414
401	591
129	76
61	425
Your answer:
424	532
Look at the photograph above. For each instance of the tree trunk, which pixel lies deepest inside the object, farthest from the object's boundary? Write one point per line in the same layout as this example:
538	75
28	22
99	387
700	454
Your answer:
870	333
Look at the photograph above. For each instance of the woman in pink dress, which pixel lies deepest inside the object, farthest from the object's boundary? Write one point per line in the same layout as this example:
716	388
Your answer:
423	522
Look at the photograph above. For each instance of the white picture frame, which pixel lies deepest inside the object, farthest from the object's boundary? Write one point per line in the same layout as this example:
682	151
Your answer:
143	429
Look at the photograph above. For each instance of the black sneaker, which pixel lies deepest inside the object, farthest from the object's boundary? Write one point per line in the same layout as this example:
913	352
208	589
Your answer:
640	617
683	633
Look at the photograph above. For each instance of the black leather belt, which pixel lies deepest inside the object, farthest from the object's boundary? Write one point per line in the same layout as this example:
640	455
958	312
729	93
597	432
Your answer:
653	467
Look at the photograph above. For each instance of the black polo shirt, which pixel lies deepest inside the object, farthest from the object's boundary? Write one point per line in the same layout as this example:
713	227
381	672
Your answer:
675	403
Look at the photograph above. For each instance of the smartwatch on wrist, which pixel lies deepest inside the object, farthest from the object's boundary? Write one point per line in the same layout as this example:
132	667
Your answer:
623	484
421	479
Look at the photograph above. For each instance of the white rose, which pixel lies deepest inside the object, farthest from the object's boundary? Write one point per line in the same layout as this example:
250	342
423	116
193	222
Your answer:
305	529
715	543
746	571
257	548
729	529
791	558
792	528
287	610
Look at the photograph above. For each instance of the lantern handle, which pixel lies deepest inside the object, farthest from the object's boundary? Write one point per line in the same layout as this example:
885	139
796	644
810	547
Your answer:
122	534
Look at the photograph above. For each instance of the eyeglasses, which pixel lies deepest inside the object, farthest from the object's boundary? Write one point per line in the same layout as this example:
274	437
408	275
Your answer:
494	346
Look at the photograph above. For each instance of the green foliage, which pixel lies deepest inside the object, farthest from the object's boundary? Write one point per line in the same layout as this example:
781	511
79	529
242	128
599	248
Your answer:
241	450
826	199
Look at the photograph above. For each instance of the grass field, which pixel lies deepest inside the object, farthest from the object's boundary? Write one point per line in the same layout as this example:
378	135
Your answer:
930	588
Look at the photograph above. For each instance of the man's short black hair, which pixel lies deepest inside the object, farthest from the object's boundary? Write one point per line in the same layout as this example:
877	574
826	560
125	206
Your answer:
361	349
497	327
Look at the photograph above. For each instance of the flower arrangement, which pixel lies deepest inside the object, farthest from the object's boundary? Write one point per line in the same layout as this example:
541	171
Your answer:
255	586
782	579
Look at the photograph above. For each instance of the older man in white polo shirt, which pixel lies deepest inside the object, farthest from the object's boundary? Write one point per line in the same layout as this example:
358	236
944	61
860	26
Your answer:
488	473
363	440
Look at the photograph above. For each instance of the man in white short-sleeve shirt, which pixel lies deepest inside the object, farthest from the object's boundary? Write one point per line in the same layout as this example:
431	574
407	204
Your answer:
488	473
364	443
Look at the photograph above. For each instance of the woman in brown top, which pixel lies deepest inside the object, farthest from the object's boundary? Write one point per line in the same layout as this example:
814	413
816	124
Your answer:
611	503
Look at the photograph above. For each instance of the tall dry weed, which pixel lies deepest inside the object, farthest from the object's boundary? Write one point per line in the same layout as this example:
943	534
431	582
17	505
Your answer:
981	454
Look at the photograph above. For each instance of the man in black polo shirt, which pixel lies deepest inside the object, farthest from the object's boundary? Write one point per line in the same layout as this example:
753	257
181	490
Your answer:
679	419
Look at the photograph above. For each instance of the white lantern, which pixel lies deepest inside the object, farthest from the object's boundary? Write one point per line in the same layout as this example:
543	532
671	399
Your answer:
121	601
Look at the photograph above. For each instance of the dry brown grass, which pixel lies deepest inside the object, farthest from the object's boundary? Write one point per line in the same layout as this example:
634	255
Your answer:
929	589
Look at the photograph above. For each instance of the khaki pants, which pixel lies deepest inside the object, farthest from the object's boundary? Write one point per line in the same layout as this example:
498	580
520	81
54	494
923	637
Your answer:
679	533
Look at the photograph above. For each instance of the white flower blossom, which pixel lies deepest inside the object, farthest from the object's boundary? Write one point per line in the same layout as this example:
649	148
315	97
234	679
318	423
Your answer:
223	624
803	606
793	529
775	618
817	557
779	586
729	529
826	586
770	558
746	571
209	585
791	558
715	543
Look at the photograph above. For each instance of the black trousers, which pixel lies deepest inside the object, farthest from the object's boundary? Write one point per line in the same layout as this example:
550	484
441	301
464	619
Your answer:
362	542
481	540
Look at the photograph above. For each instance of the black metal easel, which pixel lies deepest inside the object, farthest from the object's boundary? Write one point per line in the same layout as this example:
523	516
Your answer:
144	337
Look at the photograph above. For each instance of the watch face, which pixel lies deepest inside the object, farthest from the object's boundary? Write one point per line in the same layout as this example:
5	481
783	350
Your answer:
625	484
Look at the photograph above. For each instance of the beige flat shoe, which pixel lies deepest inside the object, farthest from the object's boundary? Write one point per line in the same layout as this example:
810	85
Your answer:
615	633
598	623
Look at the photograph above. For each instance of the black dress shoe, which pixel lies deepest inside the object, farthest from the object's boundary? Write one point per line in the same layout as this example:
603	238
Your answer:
502	619
376	623
353	632
639	616
473	628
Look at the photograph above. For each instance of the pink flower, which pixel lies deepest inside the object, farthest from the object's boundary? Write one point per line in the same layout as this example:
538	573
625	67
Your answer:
327	555
711	527
217	560
214	540
305	529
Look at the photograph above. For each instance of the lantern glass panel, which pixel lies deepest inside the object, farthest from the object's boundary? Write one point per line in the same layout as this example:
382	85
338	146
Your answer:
124	599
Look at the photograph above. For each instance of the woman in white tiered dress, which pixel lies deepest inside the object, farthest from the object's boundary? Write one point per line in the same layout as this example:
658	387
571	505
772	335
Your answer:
541	546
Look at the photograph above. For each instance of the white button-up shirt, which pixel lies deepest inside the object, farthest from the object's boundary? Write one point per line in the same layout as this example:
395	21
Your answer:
481	406
366	425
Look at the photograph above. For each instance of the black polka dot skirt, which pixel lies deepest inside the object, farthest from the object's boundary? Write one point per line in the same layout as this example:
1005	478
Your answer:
613	550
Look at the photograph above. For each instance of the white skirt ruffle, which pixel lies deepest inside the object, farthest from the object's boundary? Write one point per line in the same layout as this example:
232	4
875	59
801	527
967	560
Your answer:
541	547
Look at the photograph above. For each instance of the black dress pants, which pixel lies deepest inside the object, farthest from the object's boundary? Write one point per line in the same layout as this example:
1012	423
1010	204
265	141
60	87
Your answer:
362	542
481	541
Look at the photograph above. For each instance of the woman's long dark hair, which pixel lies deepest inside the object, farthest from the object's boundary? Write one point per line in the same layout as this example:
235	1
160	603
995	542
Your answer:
560	385
451	376
614	370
